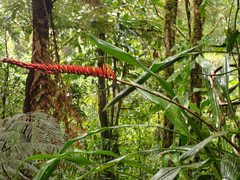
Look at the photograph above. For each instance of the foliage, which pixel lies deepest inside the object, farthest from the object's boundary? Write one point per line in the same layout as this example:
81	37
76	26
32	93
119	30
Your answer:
133	32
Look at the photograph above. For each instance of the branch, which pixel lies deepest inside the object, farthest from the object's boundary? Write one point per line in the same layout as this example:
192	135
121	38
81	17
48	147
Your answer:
214	27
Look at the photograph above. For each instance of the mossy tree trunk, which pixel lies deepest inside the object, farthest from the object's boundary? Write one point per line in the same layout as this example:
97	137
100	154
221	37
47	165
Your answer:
102	98
196	80
169	19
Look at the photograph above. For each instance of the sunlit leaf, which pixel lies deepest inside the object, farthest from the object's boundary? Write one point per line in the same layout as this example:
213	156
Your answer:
224	81
200	145
169	173
207	68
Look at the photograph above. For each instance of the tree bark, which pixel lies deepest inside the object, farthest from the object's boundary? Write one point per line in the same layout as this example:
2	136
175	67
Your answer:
102	98
196	80
169	19
103	115
38	83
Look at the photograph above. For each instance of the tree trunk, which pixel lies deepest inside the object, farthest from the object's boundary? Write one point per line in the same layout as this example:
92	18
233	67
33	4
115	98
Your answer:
169	19
102	98
38	83
196	80
103	115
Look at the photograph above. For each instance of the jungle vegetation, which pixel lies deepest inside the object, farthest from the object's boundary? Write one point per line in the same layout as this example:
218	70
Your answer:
172	112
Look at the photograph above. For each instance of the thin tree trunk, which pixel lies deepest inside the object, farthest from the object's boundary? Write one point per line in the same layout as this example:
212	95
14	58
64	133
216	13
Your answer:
102	98
103	115
196	80
170	18
5	84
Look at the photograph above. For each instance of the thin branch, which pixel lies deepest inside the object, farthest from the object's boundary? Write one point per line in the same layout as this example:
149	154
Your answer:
236	14
214	27
219	67
187	3
5	173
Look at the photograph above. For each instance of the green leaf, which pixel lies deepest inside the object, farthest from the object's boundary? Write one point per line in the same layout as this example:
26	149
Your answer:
207	68
230	168
202	8
224	85
194	107
200	145
206	177
122	55
156	67
78	160
171	111
170	173
231	39
158	3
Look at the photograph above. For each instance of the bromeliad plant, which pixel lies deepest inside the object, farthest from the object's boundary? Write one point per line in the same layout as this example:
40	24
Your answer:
176	113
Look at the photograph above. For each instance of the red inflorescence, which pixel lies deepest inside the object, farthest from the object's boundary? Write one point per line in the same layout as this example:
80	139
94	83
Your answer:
71	69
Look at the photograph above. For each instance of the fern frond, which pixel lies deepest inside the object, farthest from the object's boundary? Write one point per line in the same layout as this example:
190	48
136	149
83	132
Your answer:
25	135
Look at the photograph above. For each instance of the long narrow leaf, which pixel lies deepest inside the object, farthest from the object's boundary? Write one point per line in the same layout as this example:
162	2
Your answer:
122	55
170	173
171	111
224	85
156	67
207	68
200	145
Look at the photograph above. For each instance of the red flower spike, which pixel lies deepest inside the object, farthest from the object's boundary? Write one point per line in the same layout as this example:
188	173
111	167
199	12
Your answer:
56	68
80	70
45	67
100	72
104	70
109	70
85	70
60	68
73	69
96	71
90	70
69	68
41	66
50	67
65	69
